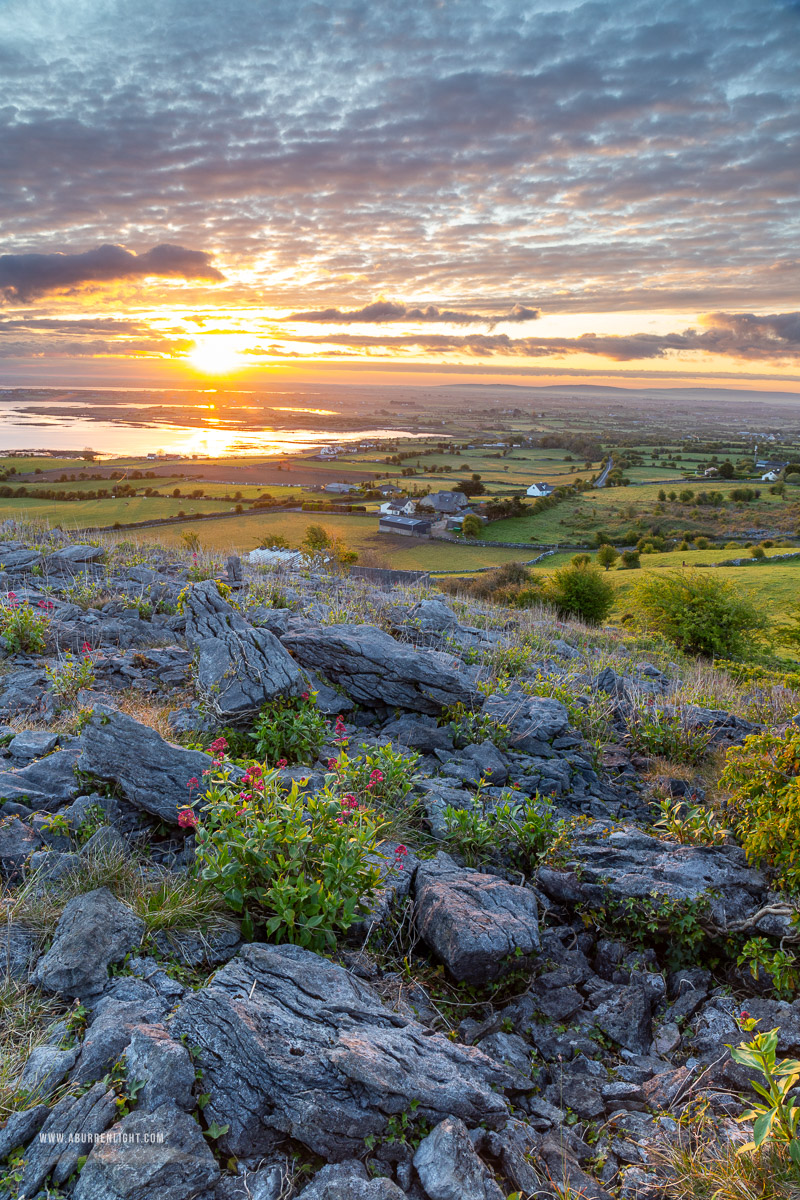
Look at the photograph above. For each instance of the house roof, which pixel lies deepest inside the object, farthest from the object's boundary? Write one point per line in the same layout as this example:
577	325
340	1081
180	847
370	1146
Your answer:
445	502
397	522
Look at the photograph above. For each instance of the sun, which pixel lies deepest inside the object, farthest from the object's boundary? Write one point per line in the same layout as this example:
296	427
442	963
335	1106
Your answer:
216	355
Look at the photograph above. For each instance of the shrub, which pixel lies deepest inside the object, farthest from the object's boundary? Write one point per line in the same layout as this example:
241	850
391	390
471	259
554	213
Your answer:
296	870
23	627
763	777
701	613
471	526
630	560
701	543
293	729
777	1120
689	824
581	591
758	552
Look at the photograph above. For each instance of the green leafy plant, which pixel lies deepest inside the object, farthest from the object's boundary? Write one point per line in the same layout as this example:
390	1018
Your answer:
699	612
70	676
758	954
690	824
291	729
762	777
519	835
24	628
468	727
654	731
776	1118
297	871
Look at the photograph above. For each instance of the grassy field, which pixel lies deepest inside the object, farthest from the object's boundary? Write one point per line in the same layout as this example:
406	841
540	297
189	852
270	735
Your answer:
86	514
243	532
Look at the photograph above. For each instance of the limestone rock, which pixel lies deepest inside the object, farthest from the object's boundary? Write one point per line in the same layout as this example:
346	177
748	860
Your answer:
292	1045
479	926
152	773
239	667
450	1169
372	666
94	931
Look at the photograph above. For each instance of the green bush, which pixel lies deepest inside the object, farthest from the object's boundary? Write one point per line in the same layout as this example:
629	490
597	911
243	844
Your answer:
580	591
701	543
630	560
758	552
517	835
607	556
699	612
763	779
293	729
652	730
295	870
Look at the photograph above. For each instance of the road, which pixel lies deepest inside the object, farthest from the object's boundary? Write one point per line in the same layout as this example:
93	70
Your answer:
601	479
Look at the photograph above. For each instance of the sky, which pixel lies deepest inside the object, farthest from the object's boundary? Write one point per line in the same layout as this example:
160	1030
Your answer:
541	191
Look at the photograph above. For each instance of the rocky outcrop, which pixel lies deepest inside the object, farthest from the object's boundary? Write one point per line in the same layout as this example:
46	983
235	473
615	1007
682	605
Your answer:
152	773
371	666
609	865
239	667
291	1045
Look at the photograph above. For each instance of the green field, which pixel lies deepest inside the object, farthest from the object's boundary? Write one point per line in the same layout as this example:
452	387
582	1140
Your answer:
88	514
244	531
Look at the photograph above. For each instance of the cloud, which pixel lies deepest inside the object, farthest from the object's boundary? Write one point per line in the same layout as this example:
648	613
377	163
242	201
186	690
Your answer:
23	277
384	311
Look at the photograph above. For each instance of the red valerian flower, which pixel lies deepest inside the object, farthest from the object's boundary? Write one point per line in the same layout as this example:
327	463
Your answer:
333	764
86	648
218	747
193	783
399	854
282	762
304	695
187	819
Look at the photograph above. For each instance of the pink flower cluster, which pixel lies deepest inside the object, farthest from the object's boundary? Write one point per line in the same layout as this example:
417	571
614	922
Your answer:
46	605
219	749
400	853
375	777
187	819
340	732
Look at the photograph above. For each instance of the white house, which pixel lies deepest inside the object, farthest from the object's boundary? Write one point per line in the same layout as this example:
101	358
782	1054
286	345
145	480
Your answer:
540	489
771	476
398	508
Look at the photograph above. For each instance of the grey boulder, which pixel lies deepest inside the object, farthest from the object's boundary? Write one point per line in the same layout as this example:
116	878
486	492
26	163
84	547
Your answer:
161	1154
44	785
65	1136
239	668
372	666
94	931
349	1181
479	926
449	1168
17	841
152	773
292	1045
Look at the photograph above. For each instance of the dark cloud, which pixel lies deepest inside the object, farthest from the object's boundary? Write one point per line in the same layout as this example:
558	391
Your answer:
26	276
383	311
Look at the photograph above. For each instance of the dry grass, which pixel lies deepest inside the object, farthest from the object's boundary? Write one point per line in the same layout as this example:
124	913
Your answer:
27	1018
712	1170
162	899
151	711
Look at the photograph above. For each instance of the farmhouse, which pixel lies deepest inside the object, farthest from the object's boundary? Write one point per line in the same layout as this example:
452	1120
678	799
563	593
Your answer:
540	489
398	508
339	489
445	503
406	526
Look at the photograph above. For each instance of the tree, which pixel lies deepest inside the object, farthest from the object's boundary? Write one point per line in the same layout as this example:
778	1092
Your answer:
726	470
580	590
699	612
470	487
471	527
630	559
607	556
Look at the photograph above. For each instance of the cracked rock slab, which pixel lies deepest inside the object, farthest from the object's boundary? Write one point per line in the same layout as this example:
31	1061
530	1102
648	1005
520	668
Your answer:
479	926
94	931
239	668
292	1045
372	666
